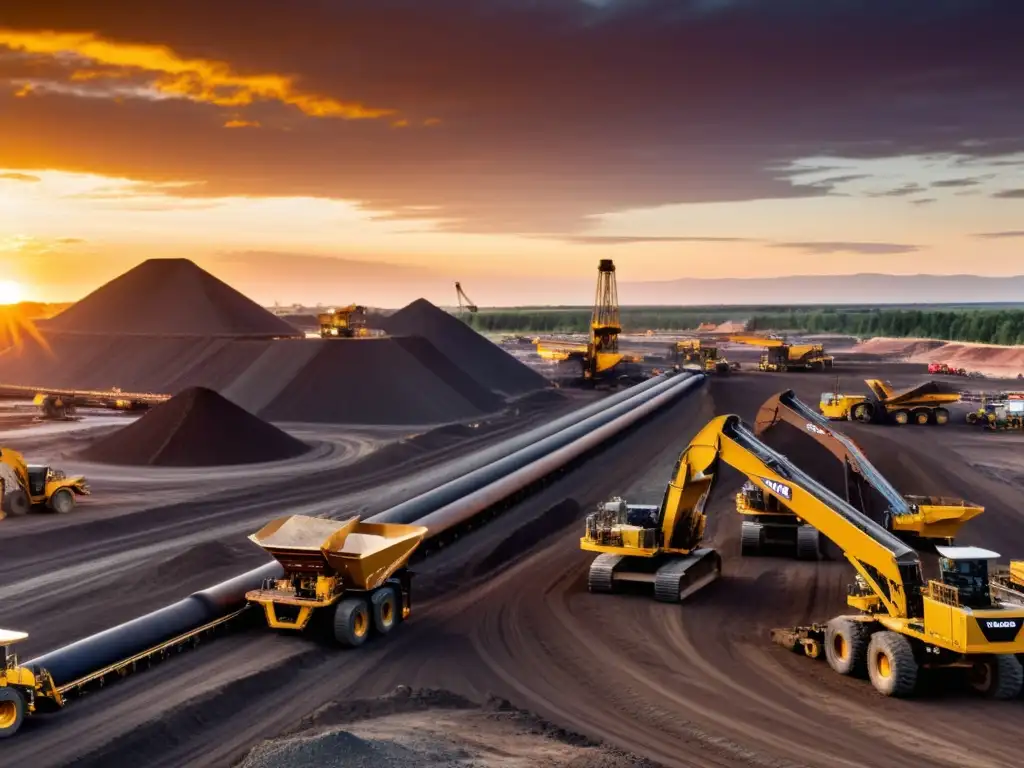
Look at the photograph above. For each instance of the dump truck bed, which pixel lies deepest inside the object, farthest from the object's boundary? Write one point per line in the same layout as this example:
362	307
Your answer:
929	393
364	554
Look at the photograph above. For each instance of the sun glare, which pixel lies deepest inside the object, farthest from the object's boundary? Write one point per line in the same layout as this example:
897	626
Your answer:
10	292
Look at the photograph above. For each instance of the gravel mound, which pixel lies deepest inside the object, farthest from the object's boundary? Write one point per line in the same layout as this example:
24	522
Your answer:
197	428
489	364
172	297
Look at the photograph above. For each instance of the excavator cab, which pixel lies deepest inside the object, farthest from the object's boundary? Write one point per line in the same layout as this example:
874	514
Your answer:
966	570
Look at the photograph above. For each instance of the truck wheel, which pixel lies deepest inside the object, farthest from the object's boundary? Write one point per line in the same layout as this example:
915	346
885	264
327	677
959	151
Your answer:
901	418
846	646
921	418
863	412
941	416
351	622
385	610
62	501
997	677
12	711
891	664
16	502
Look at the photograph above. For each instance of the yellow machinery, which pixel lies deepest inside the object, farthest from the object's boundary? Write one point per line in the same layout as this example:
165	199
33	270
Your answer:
778	355
1008	584
24	486
934	518
345	323
354	569
902	622
707	357
62	404
924	404
999	415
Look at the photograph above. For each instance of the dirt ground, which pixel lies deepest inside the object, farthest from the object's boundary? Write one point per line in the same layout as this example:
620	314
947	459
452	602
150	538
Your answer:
505	613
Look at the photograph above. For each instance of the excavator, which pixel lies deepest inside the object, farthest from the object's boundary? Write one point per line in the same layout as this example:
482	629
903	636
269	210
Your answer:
26	486
924	404
345	323
902	622
779	355
707	357
917	519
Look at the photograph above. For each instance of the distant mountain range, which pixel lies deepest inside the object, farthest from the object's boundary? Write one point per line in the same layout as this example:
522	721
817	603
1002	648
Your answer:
828	289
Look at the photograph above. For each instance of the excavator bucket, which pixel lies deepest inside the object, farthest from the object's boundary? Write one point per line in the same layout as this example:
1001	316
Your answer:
936	517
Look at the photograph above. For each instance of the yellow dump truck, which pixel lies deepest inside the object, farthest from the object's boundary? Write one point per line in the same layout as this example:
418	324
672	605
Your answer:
779	355
345	323
24	487
1008	584
924	404
351	573
709	358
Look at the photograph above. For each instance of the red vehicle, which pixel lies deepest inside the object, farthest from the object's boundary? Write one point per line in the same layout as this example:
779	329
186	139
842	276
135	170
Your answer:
946	370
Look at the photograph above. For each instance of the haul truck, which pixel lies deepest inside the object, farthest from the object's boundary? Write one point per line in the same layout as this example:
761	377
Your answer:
353	573
24	486
916	518
924	404
707	357
778	355
902	621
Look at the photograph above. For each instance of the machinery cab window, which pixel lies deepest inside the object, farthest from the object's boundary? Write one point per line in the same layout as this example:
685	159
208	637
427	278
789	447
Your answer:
966	569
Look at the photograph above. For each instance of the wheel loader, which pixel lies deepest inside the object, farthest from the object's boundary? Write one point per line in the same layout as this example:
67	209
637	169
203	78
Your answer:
350	573
24	487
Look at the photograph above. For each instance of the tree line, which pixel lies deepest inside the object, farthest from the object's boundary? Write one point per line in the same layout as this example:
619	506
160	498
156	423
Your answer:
987	326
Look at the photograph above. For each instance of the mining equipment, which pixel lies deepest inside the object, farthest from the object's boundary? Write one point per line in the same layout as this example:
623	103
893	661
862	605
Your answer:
345	323
779	355
1008	584
707	357
924	404
351	573
63	404
24	487
999	415
466	305
944	369
902	622
917	519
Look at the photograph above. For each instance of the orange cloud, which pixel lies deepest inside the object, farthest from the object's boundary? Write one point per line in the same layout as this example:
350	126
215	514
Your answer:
201	80
237	123
24	91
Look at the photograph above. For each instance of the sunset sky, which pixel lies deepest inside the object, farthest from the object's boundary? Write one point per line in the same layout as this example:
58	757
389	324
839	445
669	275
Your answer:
377	150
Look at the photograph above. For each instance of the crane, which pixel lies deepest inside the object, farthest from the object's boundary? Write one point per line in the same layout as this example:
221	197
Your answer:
465	303
605	324
779	355
916	517
902	622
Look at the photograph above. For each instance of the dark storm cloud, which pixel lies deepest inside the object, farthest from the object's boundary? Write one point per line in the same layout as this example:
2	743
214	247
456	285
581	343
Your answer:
548	111
827	248
1010	194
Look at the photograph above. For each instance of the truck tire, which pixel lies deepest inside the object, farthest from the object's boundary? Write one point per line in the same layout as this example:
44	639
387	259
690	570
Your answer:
12	711
846	646
807	543
384	604
62	501
891	664
863	412
941	416
16	502
901	418
922	417
351	622
997	677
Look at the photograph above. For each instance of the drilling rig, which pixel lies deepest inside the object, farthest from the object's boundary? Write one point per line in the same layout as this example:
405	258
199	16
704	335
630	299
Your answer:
605	325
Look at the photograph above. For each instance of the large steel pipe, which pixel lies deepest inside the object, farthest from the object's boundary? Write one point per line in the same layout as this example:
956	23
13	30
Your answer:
441	507
450	492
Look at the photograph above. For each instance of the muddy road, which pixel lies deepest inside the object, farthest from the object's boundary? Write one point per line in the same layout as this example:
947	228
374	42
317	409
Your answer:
506	612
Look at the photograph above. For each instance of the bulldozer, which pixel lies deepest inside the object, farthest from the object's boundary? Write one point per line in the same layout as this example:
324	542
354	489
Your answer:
345	323
924	404
24	487
351	573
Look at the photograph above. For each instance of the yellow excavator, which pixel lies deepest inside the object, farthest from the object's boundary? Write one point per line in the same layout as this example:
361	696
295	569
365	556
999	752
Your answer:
919	519
24	486
779	355
708	357
924	404
902	622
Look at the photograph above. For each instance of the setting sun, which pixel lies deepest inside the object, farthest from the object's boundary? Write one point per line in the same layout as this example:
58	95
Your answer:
10	292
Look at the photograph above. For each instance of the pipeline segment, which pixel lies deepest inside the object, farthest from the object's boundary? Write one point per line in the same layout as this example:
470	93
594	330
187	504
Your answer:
442	507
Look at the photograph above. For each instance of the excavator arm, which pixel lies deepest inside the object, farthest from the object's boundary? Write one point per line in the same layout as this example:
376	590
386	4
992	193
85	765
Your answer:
928	517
